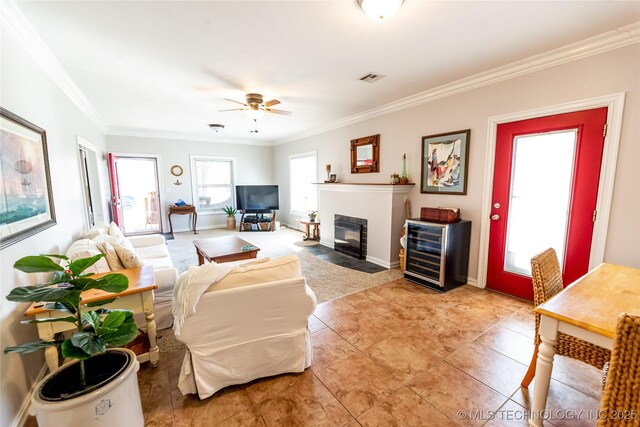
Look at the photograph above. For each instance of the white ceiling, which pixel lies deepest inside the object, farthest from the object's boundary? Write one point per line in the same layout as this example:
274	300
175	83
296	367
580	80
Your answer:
165	67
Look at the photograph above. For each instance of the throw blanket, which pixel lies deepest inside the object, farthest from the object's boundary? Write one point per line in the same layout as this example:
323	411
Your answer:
191	285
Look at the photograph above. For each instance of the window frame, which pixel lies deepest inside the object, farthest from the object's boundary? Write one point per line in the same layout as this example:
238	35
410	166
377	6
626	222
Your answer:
291	158
193	158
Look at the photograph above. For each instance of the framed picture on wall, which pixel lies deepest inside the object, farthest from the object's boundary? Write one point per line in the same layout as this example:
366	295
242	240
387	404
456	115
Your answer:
26	201
445	163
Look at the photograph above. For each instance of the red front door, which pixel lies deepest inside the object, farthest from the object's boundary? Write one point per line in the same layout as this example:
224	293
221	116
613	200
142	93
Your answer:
545	190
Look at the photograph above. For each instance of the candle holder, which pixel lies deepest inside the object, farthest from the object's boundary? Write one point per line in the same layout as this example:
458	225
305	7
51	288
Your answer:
328	168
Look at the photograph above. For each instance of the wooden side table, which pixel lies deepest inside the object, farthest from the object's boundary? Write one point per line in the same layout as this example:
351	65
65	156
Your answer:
311	233
138	298
184	210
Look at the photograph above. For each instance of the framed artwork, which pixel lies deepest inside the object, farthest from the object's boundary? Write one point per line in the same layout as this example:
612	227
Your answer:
26	201
445	163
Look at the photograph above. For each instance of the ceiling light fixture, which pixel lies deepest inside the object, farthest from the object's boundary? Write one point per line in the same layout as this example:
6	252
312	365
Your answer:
254	112
216	126
379	10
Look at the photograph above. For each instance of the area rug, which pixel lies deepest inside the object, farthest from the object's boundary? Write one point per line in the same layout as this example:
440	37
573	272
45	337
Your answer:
327	280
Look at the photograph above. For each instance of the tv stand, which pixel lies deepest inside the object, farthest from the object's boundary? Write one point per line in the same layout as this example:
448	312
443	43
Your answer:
257	221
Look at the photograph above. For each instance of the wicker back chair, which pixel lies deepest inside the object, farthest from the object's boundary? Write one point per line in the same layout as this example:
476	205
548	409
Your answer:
547	281
620	402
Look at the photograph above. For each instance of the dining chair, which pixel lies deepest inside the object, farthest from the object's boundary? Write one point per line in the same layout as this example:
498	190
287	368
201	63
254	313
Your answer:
547	282
620	401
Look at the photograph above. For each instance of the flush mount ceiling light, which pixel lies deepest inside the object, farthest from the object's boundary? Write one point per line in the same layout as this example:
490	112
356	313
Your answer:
216	126
379	10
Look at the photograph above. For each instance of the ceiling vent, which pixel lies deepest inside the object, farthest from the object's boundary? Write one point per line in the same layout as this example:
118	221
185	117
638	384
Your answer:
371	77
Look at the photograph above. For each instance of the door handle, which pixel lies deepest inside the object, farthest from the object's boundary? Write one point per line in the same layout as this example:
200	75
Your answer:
495	217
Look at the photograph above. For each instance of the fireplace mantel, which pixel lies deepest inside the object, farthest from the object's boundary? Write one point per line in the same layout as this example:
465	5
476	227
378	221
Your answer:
365	186
382	205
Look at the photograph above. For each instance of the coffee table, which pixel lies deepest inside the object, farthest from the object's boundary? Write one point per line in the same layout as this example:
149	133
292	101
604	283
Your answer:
224	249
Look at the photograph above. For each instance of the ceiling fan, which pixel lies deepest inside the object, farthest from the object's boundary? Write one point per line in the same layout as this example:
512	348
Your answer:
255	107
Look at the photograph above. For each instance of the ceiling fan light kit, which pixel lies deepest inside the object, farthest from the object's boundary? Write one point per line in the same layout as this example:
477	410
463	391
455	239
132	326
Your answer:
379	10
255	107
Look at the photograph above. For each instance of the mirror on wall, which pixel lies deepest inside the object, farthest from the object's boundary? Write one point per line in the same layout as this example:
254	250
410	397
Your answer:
365	154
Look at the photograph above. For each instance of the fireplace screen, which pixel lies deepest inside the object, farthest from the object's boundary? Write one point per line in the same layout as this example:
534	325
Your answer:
348	239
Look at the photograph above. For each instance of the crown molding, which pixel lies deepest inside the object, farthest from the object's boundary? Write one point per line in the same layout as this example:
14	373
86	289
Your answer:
143	133
611	40
17	24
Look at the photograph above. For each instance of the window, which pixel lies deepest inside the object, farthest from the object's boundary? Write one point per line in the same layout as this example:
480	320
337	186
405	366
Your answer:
212	181
303	171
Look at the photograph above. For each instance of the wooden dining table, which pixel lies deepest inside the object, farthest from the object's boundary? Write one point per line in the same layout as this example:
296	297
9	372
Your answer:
587	309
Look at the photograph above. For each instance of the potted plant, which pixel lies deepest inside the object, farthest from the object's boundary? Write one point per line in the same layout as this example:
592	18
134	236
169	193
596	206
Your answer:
231	217
100	387
312	215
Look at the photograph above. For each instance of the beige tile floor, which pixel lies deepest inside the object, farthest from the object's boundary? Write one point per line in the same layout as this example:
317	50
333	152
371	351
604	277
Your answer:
394	355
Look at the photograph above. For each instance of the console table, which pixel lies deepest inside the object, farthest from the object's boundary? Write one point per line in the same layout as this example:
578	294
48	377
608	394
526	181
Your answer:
261	223
183	210
138	298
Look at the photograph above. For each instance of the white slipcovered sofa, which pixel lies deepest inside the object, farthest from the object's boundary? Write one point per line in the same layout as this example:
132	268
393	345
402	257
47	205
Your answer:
249	325
150	250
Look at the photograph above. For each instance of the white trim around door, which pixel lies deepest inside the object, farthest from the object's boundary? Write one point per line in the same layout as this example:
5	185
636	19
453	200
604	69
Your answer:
615	105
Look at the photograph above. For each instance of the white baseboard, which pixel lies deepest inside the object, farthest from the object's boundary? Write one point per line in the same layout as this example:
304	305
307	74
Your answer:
23	414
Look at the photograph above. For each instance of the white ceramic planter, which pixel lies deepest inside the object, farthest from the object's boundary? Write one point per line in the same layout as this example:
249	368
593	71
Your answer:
117	403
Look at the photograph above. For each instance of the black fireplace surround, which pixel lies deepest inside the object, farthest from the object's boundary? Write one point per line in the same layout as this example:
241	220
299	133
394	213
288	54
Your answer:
350	236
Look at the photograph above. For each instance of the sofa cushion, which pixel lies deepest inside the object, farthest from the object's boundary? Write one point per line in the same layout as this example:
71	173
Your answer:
114	230
128	257
111	256
287	267
158	263
150	252
85	248
97	230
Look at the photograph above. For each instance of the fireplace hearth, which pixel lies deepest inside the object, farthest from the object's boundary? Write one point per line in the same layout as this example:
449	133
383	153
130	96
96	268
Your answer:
350	236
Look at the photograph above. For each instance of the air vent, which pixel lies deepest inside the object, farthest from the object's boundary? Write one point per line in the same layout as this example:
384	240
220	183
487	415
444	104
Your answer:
216	126
371	77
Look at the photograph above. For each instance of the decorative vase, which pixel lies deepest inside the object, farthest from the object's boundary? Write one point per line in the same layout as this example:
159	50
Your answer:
231	223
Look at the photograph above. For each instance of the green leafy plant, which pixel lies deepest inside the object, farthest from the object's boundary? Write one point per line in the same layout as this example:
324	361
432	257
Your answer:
230	211
312	215
95	329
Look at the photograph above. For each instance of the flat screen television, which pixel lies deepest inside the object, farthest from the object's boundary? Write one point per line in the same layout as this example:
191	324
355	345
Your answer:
257	198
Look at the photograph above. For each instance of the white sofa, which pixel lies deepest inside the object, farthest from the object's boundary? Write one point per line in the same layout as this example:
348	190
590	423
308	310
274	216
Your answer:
152	250
251	324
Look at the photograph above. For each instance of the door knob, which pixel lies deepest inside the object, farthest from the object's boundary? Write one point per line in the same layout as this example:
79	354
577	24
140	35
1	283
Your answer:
495	217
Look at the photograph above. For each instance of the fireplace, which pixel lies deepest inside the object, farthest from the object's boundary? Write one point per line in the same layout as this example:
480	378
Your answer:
350	236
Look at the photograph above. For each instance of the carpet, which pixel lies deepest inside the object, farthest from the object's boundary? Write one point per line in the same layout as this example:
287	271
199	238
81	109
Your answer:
327	280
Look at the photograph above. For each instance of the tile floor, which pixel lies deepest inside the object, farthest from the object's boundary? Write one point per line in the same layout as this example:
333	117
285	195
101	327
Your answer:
395	354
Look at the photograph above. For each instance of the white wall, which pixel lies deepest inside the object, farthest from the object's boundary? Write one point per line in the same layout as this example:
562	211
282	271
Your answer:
253	165
401	132
28	92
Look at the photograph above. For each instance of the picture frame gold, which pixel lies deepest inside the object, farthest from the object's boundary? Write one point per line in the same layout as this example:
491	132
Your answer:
176	170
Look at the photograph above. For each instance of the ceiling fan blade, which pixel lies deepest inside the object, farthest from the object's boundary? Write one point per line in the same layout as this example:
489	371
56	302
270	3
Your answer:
237	102
272	102
233	109
283	112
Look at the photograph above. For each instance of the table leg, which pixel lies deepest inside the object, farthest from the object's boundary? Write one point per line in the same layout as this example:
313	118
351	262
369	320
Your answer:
544	366
200	257
318	231
51	354
170	225
154	351
306	232
195	222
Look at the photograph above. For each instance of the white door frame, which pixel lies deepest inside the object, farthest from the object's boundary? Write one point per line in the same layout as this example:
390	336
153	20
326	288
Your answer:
615	105
82	143
160	168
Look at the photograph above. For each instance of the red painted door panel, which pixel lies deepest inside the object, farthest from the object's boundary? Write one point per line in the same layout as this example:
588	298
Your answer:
589	126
